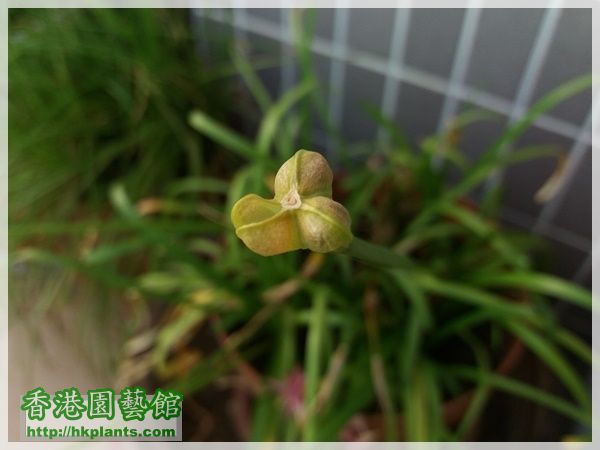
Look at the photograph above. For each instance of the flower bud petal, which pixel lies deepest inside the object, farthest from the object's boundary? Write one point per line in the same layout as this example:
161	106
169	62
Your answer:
273	236
251	209
324	225
265	227
307	172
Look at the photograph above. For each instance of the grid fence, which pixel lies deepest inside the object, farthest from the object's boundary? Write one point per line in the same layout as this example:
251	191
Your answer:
553	44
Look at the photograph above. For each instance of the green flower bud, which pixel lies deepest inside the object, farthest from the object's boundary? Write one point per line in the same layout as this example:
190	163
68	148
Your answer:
301	215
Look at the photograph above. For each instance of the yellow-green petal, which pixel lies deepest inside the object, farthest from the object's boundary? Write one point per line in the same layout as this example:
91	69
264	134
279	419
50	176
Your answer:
324	225
251	209
275	235
307	172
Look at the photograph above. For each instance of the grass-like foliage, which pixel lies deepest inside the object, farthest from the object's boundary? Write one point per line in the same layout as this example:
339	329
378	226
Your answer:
98	96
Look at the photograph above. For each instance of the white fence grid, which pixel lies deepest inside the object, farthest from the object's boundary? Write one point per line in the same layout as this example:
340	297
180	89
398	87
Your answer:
372	52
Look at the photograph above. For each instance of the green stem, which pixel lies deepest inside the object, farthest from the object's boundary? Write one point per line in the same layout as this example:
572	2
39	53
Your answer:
314	347
376	255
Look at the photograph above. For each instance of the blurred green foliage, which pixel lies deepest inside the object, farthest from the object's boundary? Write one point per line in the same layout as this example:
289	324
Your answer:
97	96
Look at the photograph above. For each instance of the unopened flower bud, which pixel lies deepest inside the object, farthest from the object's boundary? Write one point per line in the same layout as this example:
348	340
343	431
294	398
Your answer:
301	215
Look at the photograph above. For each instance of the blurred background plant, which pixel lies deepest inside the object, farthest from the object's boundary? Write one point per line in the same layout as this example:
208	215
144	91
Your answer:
100	96
127	153
97	96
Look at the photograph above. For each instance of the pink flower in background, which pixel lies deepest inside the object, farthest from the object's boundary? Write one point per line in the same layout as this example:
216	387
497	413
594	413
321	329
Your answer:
291	390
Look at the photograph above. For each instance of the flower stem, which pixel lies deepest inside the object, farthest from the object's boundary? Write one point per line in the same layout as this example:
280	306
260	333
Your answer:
376	255
313	360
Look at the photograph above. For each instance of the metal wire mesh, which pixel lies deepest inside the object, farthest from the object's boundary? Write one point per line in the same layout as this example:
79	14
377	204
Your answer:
424	66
